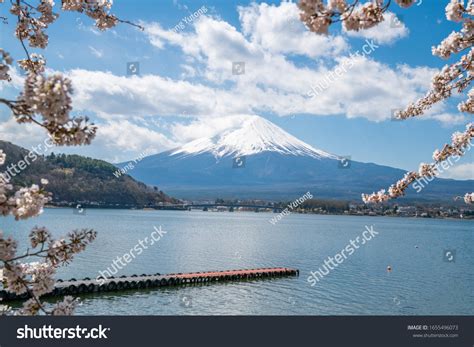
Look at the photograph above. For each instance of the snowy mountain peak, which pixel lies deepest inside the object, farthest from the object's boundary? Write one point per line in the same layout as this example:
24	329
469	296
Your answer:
255	135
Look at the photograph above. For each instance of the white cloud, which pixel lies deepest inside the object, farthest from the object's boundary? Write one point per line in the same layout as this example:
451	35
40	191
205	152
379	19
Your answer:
372	96
180	6
109	96
116	141
159	36
26	135
460	172
273	82
202	127
271	35
188	71
387	32
123	140
278	29
448	119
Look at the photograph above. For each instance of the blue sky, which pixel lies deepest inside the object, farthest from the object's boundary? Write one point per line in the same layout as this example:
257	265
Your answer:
186	88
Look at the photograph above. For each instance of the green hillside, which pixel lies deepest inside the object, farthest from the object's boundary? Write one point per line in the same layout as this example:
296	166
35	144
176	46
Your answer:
75	179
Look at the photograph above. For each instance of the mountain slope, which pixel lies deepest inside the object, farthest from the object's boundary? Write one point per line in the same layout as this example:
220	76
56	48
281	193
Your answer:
272	165
73	179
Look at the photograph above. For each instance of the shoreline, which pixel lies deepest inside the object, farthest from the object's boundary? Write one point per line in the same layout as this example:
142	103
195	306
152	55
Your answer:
149	209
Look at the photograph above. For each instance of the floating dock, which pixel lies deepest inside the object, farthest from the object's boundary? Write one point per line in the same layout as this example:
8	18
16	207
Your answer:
112	284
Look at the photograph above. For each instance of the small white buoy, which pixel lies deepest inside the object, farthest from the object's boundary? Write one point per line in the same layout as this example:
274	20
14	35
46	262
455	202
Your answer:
389	268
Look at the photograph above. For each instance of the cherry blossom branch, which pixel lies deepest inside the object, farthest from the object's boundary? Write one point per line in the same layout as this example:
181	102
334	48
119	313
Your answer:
319	15
131	23
85	235
42	282
24	48
351	10
460	143
99	12
9	103
30	293
445	91
27	4
12	104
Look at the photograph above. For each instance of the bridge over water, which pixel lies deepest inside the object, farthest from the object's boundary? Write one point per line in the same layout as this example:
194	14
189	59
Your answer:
230	207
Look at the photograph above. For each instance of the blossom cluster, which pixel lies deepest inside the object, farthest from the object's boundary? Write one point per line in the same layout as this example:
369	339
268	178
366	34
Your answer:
37	278
97	10
455	10
460	141
35	63
32	22
456	42
24	203
5	61
469	198
318	16
454	77
468	105
50	97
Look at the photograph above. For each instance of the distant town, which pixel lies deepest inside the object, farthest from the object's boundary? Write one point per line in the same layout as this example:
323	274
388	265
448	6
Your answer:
312	206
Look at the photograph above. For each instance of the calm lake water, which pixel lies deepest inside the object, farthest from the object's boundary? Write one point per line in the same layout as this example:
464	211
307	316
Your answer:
421	282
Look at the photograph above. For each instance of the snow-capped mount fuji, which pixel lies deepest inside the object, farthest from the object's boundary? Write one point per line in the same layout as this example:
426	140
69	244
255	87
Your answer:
272	165
256	135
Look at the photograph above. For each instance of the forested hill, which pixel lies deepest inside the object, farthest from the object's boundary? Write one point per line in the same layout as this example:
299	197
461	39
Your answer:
75	179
